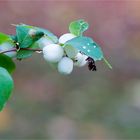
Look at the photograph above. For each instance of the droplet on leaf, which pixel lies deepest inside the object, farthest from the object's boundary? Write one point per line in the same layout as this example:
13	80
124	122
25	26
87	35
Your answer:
84	47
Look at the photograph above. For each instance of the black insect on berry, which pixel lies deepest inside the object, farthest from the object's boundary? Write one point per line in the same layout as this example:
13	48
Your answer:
91	64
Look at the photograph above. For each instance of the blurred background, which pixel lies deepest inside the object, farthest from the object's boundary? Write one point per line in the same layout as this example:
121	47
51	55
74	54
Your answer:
84	105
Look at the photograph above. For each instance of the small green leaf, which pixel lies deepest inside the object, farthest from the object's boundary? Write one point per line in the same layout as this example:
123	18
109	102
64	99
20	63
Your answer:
28	40
22	54
87	46
6	86
7	63
5	38
14	37
78	27
27	36
21	33
48	34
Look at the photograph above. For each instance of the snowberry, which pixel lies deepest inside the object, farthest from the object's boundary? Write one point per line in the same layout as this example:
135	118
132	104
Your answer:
65	37
80	60
65	66
7	46
44	41
70	51
53	53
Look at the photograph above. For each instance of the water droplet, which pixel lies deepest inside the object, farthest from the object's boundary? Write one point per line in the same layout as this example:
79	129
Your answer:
88	44
88	50
84	47
94	46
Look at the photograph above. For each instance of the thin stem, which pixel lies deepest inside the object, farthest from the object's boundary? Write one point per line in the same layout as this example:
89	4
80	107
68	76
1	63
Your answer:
109	65
11	50
15	49
30	49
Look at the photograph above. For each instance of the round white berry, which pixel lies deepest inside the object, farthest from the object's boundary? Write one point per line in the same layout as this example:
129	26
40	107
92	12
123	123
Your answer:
44	41
65	37
8	46
80	60
65	66
70	51
53	53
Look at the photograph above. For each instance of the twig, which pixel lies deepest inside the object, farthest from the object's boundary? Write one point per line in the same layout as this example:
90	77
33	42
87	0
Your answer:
11	50
30	49
15	49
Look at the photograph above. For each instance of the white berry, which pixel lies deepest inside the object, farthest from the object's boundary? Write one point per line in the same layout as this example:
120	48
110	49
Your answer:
65	37
7	46
65	66
53	53
44	41
70	51
80	60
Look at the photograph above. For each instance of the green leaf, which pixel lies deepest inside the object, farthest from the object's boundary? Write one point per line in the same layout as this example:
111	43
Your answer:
6	86
21	33
27	36
87	46
28	40
22	54
48	34
78	27
5	38
7	63
14	37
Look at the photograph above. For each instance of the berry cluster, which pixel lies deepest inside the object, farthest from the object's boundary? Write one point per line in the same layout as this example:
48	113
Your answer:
65	56
71	49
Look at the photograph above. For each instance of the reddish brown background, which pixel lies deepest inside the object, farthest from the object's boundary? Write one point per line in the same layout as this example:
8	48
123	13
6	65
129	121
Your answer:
86	105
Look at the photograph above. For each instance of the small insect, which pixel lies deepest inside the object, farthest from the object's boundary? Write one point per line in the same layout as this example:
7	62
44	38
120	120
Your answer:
91	64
